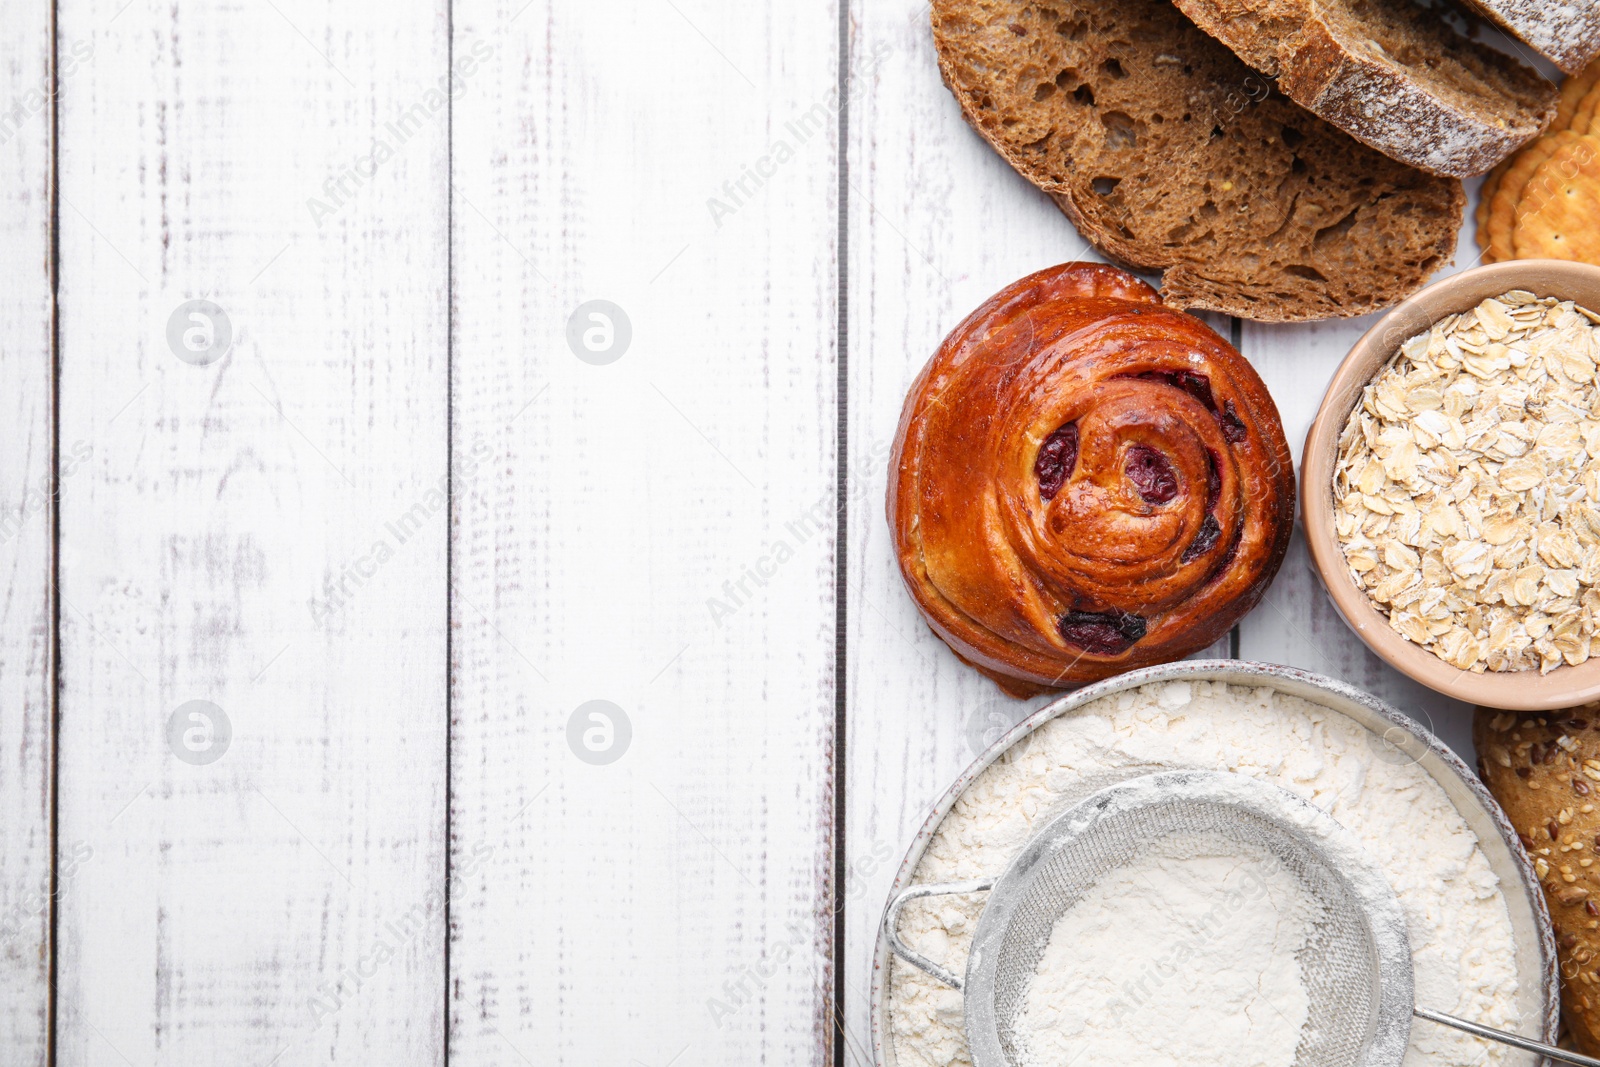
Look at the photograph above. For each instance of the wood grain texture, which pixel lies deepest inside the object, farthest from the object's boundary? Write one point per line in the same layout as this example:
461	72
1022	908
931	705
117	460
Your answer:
656	532
938	223
25	531
288	531
266	532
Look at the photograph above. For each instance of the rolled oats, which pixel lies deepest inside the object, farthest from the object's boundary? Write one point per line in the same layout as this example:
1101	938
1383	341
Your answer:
1467	486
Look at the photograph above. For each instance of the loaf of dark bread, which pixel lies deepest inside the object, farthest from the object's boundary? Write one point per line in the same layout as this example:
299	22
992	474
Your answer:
1390	74
1170	154
1544	769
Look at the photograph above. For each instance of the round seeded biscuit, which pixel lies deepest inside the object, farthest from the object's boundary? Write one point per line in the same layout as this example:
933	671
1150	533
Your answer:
1502	213
1573	90
1583	115
1558	214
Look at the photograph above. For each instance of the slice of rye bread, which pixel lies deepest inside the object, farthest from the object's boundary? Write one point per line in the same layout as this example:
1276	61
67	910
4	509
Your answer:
1390	74
1170	154
1566	32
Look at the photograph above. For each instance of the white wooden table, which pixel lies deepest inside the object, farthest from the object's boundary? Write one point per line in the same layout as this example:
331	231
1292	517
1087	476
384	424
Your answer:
397	510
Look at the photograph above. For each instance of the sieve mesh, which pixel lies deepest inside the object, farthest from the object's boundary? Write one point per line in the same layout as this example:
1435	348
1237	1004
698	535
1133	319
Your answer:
1350	954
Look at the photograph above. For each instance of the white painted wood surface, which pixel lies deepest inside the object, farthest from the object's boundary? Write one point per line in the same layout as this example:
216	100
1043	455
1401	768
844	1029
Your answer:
26	446
219	544
938	223
408	527
656	532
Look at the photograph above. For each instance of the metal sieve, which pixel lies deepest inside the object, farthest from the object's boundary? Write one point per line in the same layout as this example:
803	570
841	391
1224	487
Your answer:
1356	961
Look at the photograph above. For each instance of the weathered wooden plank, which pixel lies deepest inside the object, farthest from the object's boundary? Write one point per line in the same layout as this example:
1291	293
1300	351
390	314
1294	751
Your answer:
26	445
260	526
938	223
645	293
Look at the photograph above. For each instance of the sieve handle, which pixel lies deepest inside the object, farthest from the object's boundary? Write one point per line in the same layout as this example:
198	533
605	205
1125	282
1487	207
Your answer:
891	924
1514	1040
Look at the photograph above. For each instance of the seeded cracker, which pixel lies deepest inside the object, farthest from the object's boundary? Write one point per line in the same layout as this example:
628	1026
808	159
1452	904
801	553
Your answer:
1467	488
1583	115
1554	220
1573	91
1502	213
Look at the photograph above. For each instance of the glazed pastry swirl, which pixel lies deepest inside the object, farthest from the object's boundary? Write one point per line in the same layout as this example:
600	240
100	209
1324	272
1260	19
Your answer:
1086	482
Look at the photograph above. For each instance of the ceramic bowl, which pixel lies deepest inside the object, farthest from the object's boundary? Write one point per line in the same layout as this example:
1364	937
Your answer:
1563	687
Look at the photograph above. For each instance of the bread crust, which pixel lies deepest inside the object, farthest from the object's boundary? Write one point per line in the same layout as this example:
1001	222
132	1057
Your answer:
1538	766
1444	126
1169	154
1566	34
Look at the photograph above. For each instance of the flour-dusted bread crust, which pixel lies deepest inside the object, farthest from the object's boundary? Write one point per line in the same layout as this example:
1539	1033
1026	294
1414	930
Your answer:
1544	769
1391	75
1170	154
1566	32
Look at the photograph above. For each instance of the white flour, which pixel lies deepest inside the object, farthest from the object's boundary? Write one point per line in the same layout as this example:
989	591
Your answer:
1463	949
1173	960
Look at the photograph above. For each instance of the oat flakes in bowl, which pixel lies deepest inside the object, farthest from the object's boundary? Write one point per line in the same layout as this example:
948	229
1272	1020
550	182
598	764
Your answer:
1466	485
1452	486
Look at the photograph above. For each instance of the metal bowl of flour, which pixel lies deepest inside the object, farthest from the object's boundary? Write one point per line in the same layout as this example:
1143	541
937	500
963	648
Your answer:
1538	988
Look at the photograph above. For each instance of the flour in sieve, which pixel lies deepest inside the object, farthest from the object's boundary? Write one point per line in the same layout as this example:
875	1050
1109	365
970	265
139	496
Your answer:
1187	955
1463	948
